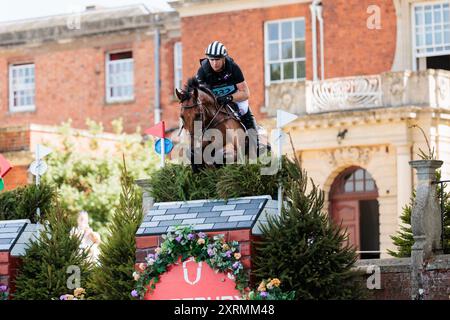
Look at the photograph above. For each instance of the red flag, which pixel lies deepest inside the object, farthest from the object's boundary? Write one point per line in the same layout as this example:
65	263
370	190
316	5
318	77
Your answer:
157	130
5	166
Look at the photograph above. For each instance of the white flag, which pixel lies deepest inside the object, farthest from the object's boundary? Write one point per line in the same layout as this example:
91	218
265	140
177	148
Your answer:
42	151
283	118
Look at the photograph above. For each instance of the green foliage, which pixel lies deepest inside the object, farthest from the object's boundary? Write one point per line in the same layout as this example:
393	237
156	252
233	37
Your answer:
43	274
183	243
89	180
404	240
21	203
307	252
112	278
177	182
429	154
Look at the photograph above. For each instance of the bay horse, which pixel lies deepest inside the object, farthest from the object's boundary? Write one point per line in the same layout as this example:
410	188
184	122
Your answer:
200	114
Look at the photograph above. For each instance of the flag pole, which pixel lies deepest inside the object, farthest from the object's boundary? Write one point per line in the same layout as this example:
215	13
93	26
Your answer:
283	118
280	188
163	146
38	210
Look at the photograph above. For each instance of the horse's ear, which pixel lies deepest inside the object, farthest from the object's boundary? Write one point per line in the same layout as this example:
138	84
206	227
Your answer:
195	94
178	93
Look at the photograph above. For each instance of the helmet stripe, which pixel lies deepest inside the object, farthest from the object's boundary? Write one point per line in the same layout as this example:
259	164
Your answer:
214	48
219	48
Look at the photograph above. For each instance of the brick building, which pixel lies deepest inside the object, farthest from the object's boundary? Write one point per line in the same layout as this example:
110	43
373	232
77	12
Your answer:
359	74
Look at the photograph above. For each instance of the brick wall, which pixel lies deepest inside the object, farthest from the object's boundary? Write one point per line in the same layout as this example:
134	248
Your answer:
18	176
8	270
396	279
70	82
14	139
349	44
351	48
243	34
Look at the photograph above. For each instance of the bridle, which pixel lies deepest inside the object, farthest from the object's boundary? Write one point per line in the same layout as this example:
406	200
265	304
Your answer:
198	103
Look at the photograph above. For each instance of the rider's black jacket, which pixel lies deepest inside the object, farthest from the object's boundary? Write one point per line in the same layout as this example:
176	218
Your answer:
221	83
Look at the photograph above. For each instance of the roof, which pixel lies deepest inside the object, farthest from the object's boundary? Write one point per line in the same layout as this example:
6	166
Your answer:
89	22
61	19
10	231
205	215
30	233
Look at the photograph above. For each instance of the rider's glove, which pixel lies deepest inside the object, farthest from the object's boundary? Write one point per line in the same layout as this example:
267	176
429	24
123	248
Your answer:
224	100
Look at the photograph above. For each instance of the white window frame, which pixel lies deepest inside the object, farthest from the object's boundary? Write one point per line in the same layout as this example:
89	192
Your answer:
178	65
108	62
415	54
267	64
20	87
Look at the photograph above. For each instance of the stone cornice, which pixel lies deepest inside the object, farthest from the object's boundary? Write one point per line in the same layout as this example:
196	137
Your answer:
56	28
367	116
188	8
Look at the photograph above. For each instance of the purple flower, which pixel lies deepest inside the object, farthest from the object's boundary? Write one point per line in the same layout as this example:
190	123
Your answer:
210	252
3	288
202	235
179	238
263	294
151	256
228	253
190	236
134	294
63	297
236	265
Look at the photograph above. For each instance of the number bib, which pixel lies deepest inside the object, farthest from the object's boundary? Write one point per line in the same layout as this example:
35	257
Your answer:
224	90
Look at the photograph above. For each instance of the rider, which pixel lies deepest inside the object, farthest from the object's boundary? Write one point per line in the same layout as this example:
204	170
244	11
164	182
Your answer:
224	77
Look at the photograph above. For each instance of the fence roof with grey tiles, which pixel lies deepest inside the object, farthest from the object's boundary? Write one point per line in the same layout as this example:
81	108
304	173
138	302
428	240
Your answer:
203	215
10	231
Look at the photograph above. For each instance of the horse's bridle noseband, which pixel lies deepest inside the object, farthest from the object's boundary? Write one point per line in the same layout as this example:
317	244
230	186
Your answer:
199	103
207	126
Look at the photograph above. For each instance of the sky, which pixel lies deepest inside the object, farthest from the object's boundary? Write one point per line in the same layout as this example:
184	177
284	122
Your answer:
25	9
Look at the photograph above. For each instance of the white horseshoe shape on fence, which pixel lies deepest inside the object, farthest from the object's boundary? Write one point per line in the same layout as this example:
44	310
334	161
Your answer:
185	271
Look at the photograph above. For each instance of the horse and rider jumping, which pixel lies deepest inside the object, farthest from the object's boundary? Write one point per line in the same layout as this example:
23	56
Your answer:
218	98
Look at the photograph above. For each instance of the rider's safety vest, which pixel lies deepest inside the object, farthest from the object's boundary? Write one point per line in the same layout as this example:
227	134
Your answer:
221	83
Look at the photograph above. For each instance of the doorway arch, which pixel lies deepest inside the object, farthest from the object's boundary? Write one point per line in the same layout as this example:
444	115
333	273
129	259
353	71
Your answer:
354	204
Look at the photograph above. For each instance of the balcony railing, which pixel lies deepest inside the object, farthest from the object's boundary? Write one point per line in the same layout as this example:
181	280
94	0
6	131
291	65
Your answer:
428	88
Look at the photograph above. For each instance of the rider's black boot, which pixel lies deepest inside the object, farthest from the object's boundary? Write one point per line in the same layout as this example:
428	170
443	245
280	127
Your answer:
248	120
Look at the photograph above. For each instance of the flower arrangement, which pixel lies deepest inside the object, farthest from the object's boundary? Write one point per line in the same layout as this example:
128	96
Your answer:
183	242
3	292
270	290
78	294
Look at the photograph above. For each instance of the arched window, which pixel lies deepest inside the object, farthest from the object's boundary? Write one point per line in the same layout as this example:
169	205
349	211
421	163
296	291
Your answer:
359	181
354	181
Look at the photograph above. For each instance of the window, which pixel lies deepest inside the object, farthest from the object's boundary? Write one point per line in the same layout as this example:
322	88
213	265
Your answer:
21	87
285	50
178	65
119	76
431	23
359	181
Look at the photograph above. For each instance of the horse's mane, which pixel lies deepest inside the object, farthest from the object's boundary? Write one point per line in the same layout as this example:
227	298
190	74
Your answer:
192	84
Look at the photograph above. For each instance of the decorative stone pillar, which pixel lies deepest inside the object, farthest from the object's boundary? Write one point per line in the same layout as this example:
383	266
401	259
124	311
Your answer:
147	200
425	221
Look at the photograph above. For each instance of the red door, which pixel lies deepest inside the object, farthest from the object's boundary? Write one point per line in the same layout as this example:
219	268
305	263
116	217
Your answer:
346	212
